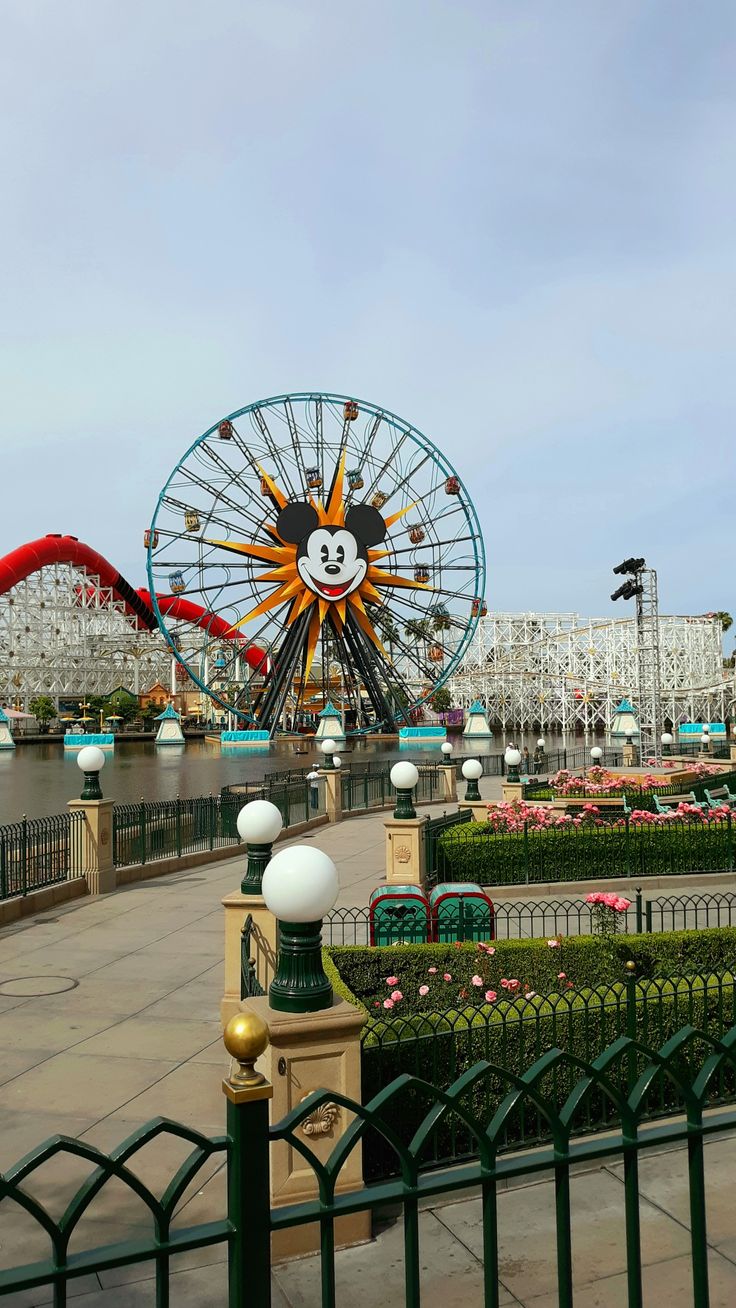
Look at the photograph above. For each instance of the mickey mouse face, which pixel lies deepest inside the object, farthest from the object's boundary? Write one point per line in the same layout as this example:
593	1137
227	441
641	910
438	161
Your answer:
331	561
332	564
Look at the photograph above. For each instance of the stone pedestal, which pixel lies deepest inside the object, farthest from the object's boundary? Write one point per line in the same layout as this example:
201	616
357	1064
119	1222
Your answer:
732	752
512	791
333	794
629	756
405	851
307	1052
479	810
91	853
449	782
262	947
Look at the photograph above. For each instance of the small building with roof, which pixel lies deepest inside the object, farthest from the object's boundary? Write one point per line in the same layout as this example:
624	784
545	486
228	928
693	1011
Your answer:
624	722
169	732
329	726
477	724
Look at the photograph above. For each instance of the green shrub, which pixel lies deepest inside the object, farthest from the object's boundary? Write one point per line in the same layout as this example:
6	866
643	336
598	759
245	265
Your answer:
439	1048
360	972
474	852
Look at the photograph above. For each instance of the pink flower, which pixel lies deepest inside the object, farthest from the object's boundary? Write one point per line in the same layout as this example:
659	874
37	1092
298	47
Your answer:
431	970
490	996
424	990
376	1004
388	1003
476	980
514	984
397	996
530	994
447	976
553	944
561	976
392	980
504	984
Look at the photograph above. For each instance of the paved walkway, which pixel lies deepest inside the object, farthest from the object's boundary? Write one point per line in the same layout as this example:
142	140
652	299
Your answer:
109	1017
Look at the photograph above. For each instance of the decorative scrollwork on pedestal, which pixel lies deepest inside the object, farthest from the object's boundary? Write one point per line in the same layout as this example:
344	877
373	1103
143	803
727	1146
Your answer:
322	1120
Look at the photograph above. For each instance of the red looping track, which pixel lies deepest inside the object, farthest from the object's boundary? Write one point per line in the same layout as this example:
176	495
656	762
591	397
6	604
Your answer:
27	559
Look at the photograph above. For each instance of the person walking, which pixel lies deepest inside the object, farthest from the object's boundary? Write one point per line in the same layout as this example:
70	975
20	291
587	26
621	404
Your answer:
313	779
525	761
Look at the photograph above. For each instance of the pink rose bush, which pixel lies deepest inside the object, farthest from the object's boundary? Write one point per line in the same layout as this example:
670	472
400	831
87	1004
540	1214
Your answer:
608	909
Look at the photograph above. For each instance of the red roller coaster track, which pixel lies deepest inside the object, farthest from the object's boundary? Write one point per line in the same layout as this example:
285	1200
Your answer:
55	548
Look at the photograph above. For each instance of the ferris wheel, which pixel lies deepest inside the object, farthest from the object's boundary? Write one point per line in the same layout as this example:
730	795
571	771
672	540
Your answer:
336	553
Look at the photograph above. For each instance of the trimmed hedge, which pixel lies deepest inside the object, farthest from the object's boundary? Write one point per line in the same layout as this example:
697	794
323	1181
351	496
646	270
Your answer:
474	852
359	973
514	1036
438	1046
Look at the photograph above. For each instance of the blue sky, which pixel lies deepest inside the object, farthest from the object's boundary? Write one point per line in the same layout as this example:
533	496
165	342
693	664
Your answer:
512	223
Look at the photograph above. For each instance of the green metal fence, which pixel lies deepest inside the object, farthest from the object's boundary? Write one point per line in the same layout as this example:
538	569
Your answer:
39	852
555	1087
440	1047
365	791
172	827
586	852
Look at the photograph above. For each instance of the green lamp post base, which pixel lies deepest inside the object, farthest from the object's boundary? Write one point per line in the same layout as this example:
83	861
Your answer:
300	984
259	857
472	792
92	788
404	806
512	775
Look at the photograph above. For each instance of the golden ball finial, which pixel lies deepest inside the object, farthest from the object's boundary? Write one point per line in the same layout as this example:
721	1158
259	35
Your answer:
246	1037
630	967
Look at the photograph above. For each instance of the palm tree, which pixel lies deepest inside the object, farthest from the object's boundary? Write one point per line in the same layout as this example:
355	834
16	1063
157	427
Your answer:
725	619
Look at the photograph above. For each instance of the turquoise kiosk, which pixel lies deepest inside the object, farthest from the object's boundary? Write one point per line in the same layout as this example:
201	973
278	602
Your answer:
6	736
477	726
624	723
170	732
330	725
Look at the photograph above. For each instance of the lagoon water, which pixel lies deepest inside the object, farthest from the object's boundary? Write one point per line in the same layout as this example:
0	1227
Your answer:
38	779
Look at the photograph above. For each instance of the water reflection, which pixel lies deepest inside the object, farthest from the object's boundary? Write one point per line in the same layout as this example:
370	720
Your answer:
39	779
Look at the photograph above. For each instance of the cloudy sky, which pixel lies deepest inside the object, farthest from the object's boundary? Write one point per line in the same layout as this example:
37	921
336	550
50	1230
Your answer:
510	221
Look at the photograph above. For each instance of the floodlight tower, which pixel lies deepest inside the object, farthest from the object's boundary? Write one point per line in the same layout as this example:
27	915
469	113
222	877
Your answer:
641	585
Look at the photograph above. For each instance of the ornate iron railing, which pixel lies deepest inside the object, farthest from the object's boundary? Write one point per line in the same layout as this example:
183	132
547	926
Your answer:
172	827
439	1047
39	852
556	1088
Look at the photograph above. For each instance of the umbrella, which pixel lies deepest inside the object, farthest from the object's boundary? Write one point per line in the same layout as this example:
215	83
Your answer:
14	713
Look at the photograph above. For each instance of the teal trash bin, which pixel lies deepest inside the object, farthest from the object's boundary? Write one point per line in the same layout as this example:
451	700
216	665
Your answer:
461	911
399	915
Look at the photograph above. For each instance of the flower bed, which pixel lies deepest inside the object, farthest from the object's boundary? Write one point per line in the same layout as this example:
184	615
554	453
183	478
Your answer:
521	844
438	1037
436	977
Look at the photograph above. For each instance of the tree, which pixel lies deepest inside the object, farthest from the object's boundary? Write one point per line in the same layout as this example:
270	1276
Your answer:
44	711
726	620
441	701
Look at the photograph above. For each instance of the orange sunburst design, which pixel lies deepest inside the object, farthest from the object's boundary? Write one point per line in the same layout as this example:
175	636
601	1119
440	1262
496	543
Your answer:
292	590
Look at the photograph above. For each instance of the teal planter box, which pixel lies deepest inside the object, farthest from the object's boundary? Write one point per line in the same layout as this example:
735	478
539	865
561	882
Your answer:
461	911
399	915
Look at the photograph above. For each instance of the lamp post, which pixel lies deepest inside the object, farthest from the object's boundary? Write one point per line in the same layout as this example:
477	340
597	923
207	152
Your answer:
705	742
472	770
512	758
596	754
404	777
336	761
91	761
258	823
666	740
300	885
446	748
328	748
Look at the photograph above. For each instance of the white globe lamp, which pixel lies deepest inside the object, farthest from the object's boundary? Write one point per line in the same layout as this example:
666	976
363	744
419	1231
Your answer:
258	823
300	885
404	777
91	761
472	770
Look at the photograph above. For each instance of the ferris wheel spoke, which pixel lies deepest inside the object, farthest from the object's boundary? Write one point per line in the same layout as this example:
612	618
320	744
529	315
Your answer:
257	415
